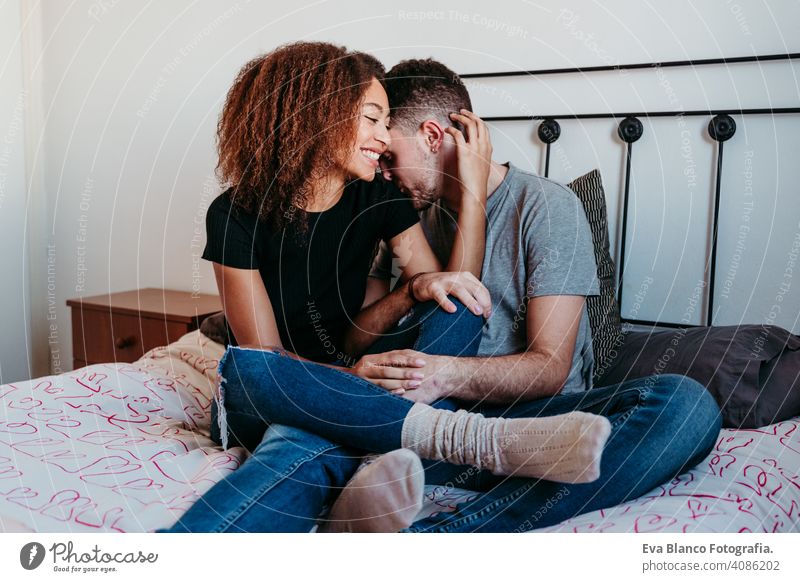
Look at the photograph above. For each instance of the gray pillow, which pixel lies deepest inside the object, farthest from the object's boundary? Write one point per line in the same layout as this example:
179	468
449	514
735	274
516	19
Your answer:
751	370
602	309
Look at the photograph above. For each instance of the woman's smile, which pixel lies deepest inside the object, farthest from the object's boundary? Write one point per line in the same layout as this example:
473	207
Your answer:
372	155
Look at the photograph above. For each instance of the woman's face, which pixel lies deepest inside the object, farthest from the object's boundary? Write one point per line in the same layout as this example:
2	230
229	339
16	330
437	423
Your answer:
373	134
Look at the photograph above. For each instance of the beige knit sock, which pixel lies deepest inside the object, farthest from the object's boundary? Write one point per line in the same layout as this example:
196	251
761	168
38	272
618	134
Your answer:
565	448
382	497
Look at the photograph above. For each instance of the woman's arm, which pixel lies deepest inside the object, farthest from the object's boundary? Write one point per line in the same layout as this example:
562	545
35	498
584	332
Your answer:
247	307
474	162
381	312
249	311
415	253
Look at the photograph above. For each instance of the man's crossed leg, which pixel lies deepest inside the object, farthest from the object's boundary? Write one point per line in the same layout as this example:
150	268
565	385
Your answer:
660	426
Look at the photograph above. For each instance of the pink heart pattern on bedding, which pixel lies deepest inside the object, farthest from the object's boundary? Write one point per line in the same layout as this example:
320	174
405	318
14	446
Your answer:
112	447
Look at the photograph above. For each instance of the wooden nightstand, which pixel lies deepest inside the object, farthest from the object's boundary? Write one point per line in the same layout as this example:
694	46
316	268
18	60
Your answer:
121	327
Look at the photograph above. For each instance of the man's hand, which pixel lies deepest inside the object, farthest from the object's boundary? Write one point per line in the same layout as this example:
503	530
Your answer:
439	379
473	155
464	286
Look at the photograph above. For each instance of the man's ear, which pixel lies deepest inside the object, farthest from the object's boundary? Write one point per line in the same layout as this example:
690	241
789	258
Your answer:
433	134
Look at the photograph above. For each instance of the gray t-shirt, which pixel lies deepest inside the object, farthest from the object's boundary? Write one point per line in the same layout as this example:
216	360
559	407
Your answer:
538	243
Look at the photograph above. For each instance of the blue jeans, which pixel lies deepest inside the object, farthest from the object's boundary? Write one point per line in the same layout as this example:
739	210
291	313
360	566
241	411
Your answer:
660	425
296	416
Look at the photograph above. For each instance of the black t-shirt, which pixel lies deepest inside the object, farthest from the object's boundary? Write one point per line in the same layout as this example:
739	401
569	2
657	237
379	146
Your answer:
316	282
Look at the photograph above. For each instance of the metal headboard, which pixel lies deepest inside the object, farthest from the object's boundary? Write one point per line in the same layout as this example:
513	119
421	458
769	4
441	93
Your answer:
721	128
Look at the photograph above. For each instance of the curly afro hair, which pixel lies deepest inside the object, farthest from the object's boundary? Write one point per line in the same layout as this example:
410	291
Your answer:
289	119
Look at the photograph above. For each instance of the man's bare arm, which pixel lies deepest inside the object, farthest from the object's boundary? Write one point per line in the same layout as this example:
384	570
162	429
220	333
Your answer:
552	324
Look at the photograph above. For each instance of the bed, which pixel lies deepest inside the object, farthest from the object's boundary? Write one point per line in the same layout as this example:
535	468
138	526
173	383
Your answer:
126	448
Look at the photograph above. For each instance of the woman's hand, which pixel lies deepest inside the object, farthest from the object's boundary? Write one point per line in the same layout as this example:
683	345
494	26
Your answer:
473	155
413	375
463	285
395	371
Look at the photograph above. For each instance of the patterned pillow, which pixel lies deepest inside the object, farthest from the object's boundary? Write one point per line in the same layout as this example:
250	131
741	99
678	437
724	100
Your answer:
603	310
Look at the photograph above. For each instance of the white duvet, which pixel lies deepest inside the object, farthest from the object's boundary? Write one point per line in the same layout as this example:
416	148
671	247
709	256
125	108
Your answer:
112	447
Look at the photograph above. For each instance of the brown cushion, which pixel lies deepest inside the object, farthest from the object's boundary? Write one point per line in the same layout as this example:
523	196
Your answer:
751	370
602	309
215	327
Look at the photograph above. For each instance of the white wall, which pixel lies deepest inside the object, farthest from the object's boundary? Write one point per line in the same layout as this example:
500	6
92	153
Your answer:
15	341
133	90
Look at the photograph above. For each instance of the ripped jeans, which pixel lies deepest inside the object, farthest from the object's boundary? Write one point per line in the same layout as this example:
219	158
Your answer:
320	421
294	471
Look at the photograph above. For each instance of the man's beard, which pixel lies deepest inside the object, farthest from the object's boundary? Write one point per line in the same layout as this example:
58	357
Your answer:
427	190
420	203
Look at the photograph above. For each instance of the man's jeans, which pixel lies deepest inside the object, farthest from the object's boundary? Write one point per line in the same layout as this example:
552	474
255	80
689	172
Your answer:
321	421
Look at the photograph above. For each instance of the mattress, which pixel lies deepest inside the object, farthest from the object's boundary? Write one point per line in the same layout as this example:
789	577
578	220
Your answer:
126	448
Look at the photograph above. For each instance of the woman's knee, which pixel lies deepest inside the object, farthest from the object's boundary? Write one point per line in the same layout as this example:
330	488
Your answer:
444	333
461	309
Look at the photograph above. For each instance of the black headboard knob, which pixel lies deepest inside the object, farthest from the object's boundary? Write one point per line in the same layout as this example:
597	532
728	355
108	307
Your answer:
630	129
549	130
721	127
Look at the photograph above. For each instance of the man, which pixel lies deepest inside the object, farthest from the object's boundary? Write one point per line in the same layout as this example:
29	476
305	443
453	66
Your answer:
535	356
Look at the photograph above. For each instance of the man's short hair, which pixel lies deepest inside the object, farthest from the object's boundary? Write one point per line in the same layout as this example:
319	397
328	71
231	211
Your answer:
421	89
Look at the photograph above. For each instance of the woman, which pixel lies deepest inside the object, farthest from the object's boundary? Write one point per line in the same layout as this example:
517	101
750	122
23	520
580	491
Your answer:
291	241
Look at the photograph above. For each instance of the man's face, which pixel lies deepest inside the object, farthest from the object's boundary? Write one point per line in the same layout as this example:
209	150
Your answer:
412	167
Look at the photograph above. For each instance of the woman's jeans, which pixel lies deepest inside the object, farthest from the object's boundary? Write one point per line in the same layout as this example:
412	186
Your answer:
309	426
